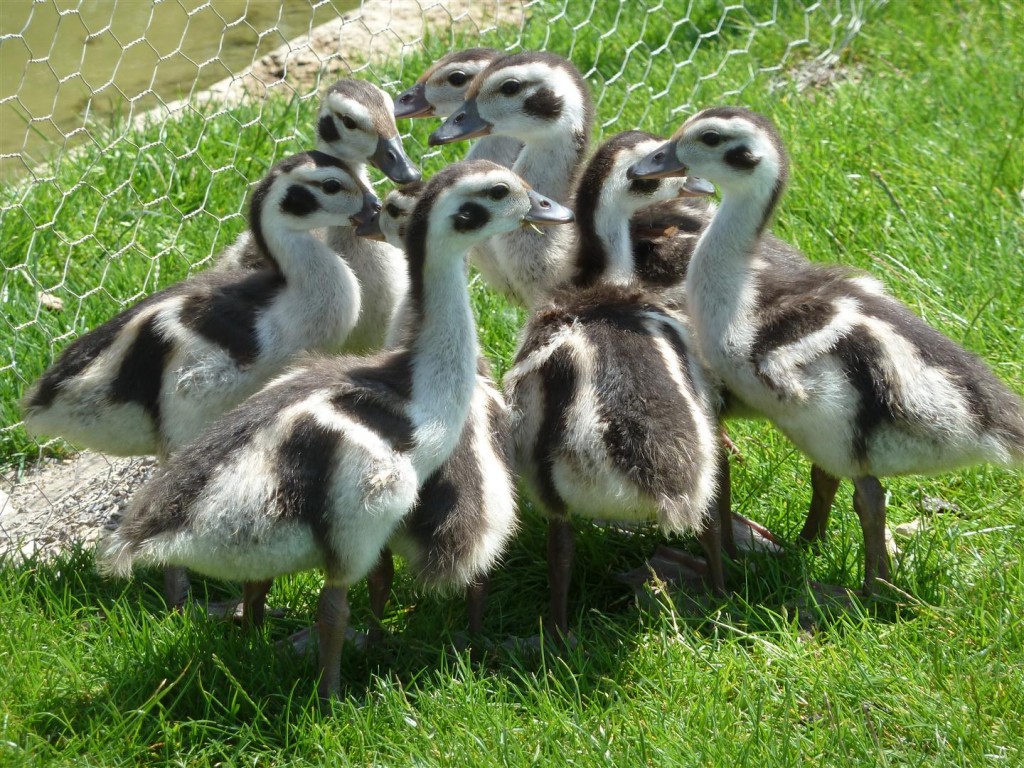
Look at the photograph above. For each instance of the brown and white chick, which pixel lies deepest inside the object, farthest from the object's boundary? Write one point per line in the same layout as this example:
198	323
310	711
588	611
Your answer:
441	90
613	418
856	380
356	124
466	510
320	467
541	100
154	376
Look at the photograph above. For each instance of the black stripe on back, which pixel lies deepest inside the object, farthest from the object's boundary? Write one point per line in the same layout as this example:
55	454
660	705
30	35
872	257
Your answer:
445	520
305	462
376	396
793	304
649	424
165	503
378	413
390	373
860	355
141	373
77	356
559	379
226	313
988	399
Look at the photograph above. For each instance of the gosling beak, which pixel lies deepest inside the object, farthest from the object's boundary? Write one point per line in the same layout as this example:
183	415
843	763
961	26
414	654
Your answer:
660	163
694	186
545	211
370	228
371	209
412	102
390	157
463	124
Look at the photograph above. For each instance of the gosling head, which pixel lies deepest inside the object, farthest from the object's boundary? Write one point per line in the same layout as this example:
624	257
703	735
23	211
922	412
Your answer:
732	147
442	88
357	125
605	188
472	200
529	96
307	191
392	223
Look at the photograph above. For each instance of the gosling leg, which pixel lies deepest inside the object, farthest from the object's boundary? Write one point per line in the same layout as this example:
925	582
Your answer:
711	540
254	603
869	504
176	586
723	507
332	621
560	554
823	493
476	599
379	582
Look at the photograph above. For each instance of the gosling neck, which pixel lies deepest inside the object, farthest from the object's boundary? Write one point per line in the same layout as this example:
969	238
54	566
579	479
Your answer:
442	344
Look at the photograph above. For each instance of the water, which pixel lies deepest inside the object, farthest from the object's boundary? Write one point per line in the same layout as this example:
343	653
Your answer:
66	64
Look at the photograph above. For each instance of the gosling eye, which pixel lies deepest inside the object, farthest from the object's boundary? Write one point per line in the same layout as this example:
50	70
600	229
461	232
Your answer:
458	78
498	191
393	210
711	138
511	87
348	122
331	186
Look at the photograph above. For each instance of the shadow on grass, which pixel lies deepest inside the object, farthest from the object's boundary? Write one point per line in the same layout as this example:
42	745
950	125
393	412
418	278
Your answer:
156	677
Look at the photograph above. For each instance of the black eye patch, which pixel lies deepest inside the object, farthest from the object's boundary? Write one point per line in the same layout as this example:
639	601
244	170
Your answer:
393	210
644	186
470	216
544	104
742	158
299	201
327	130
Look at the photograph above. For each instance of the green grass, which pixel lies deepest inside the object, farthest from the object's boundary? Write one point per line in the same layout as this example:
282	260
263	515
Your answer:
911	167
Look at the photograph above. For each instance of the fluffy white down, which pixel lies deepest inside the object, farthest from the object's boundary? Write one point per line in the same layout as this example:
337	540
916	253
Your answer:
233	535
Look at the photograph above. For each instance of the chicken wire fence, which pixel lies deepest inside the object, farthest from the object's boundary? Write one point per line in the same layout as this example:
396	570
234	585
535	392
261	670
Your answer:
131	131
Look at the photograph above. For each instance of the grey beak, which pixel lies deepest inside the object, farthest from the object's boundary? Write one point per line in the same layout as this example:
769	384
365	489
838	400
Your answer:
390	157
545	211
371	208
370	228
695	186
412	102
660	163
463	124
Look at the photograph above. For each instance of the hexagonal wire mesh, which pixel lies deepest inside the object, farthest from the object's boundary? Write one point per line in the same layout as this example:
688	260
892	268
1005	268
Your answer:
132	131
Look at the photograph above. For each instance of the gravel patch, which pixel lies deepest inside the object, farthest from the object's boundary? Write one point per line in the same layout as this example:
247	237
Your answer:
60	503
